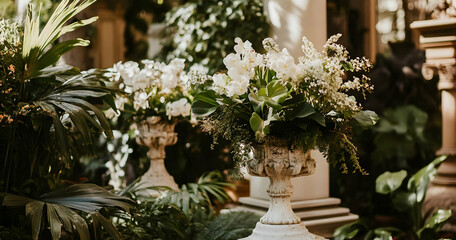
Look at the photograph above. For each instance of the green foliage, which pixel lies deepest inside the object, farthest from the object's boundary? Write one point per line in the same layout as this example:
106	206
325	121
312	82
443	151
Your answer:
231	226
59	206
204	30
185	214
400	136
389	182
49	114
409	202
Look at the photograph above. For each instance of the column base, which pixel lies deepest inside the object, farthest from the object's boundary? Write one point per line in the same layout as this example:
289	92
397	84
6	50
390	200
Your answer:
281	232
320	216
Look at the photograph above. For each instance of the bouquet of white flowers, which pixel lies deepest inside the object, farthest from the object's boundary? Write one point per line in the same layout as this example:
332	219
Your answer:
155	89
309	103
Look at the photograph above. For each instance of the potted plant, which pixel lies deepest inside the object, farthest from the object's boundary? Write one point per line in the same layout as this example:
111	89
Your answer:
282	110
49	116
155	99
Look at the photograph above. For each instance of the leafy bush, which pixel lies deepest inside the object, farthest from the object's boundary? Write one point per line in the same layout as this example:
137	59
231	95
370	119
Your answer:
407	201
203	30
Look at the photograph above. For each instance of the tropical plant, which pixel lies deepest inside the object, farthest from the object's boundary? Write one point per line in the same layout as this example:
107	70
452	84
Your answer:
48	113
409	202
59	208
185	214
203	30
267	95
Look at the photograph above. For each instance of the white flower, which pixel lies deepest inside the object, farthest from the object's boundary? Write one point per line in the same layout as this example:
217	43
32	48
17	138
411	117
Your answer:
127	71
140	101
140	81
180	107
220	80
236	88
283	64
169	80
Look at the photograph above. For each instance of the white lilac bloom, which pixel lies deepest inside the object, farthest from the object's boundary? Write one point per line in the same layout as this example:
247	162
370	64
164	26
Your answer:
180	107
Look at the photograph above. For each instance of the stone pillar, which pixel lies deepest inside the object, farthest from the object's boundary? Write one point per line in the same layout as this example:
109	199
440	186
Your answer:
438	38
290	21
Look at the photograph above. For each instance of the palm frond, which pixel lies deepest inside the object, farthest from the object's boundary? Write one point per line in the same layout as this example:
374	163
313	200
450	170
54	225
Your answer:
59	207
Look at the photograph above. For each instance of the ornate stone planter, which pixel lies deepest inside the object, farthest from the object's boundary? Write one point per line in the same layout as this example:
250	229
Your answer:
156	134
279	162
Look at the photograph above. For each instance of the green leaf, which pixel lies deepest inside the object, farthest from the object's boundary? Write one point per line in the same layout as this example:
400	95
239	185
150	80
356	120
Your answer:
202	109
205	103
389	182
256	103
419	181
256	123
208	97
348	231
301	110
436	222
319	118
277	92
366	118
34	210
54	222
403	201
53	55
107	225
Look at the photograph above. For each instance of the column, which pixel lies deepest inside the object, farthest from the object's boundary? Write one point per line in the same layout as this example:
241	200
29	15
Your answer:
290	21
438	38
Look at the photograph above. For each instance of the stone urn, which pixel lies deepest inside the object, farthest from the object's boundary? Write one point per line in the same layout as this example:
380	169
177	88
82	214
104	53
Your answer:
279	161
156	134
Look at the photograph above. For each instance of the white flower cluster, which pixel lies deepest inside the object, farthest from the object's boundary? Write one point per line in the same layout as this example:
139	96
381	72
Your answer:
319	76
9	31
156	80
180	107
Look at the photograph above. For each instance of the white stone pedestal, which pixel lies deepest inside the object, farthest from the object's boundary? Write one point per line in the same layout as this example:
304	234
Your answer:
279	232
310	200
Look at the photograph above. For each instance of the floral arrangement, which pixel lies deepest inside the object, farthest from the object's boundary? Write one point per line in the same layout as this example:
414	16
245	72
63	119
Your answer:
154	89
310	104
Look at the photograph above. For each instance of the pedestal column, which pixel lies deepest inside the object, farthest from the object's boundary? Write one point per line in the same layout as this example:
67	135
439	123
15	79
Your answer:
438	38
290	21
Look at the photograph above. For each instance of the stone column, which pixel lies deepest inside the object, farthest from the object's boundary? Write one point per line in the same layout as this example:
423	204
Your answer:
438	38
290	21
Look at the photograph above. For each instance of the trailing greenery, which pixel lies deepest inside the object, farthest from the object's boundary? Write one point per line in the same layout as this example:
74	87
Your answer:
409	202
203	30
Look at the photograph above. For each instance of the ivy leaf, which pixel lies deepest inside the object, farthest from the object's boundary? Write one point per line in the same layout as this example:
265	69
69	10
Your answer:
366	118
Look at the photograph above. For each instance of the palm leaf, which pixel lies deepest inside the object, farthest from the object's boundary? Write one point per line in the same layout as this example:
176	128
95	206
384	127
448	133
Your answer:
88	198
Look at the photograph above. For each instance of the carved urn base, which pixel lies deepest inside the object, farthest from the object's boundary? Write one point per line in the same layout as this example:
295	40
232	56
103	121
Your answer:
281	232
156	134
279	161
